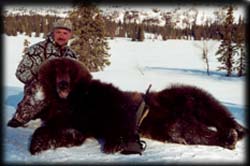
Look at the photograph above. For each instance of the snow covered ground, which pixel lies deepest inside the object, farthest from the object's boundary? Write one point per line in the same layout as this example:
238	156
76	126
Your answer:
134	65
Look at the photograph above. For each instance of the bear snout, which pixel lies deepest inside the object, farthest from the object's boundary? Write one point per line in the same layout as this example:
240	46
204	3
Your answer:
63	89
62	85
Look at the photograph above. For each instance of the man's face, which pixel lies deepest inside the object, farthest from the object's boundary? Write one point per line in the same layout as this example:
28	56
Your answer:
62	36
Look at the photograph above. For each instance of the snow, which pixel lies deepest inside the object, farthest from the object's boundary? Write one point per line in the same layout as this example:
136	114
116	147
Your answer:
178	14
44	9
134	65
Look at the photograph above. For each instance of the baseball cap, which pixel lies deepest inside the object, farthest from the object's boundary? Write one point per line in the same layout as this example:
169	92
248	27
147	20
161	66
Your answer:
63	23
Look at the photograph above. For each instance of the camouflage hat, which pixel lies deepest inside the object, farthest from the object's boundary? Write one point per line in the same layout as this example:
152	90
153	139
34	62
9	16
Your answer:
63	23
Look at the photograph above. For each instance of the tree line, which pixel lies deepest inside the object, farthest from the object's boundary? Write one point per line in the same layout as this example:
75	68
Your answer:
14	24
43	24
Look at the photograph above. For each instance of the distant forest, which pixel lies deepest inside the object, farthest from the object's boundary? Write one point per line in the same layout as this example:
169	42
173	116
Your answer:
14	24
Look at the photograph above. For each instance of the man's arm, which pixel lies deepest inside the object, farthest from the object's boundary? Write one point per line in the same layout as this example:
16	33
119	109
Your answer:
28	67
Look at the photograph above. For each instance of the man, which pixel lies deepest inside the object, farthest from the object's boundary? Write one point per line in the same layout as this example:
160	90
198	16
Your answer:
55	45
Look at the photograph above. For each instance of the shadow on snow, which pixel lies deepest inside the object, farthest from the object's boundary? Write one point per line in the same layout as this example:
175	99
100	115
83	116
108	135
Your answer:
219	75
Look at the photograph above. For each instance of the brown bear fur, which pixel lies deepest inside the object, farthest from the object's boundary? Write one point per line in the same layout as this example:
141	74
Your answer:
90	108
189	115
85	106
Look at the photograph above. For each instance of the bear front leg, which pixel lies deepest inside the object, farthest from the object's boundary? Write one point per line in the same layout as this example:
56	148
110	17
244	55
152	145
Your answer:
41	140
69	137
46	138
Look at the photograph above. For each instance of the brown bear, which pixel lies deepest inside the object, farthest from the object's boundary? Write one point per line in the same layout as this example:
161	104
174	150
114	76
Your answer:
82	107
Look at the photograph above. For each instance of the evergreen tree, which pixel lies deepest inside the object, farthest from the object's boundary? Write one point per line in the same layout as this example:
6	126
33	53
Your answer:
240	63
129	30
141	33
29	31
6	27
164	35
9	25
44	26
90	42
226	49
121	30
197	32
138	32
37	23
134	32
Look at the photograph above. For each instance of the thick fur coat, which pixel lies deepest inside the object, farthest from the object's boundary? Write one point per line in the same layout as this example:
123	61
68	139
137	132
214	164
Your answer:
82	107
189	115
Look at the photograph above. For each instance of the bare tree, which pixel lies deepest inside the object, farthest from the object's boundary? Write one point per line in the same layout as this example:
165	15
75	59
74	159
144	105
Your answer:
205	47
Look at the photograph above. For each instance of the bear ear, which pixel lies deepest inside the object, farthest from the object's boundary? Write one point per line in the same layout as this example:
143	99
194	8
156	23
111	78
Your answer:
85	73
81	72
46	72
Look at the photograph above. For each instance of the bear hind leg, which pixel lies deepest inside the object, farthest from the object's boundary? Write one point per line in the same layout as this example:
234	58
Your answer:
231	139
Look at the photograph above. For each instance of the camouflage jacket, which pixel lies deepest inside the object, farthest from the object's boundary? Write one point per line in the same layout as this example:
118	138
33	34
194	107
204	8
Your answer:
37	54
